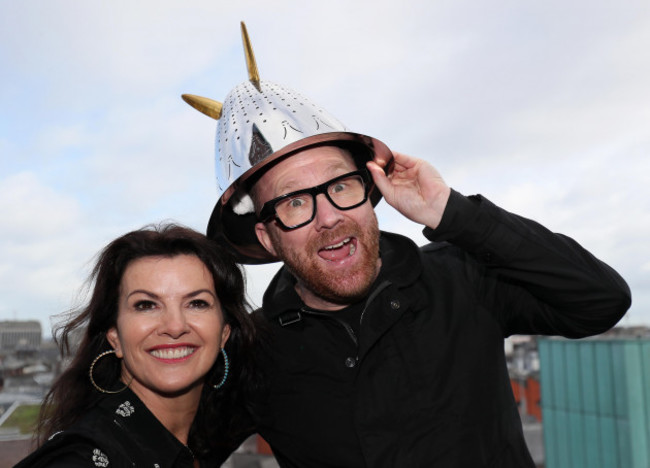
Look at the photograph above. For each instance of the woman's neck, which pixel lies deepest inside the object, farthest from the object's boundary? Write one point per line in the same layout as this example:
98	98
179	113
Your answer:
176	412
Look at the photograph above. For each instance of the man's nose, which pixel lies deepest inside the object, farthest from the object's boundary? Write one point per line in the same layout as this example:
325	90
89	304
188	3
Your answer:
327	215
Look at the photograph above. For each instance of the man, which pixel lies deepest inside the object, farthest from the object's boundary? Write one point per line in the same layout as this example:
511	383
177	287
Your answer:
383	353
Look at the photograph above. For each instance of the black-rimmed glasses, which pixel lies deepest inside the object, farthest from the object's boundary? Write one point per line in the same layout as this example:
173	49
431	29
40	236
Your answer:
296	209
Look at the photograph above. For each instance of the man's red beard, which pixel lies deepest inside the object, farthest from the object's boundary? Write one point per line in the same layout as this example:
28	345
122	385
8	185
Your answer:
341	288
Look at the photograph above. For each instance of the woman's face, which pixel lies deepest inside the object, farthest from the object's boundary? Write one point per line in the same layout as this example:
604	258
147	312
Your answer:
170	327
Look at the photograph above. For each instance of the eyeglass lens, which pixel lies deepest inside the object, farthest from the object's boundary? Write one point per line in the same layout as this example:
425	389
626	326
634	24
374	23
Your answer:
342	193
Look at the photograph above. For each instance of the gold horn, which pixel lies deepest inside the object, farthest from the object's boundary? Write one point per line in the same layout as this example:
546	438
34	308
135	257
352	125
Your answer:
209	107
253	74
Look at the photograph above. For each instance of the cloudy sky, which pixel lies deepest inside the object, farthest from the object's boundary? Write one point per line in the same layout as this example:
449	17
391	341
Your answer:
543	107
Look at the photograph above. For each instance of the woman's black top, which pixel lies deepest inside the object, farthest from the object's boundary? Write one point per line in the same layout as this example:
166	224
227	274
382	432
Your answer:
119	432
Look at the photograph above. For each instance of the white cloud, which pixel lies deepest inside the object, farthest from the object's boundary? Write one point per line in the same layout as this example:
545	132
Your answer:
32	210
40	247
56	139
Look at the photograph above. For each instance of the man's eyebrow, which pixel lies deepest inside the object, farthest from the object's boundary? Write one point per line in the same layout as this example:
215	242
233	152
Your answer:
291	185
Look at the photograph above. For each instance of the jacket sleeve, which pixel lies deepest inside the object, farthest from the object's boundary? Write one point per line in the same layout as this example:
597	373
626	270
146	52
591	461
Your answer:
535	281
65	452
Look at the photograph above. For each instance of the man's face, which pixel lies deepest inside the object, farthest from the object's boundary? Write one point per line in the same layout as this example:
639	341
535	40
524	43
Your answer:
335	257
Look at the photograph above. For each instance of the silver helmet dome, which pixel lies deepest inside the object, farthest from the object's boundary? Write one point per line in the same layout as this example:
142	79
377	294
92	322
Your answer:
259	124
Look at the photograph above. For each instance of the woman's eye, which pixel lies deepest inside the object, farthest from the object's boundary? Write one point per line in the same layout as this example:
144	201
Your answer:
199	304
144	305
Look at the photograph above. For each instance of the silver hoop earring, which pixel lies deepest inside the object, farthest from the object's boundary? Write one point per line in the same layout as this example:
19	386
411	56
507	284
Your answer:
226	368
92	380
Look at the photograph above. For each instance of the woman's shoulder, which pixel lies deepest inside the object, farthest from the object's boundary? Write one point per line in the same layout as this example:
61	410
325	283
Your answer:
90	442
73	448
119	431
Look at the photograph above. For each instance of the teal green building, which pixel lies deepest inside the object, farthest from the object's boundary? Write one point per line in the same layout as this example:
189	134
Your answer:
595	398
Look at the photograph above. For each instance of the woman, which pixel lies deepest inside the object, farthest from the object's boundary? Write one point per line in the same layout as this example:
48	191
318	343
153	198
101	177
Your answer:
164	366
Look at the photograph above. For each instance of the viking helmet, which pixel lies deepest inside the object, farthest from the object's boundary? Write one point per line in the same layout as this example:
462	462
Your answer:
259	124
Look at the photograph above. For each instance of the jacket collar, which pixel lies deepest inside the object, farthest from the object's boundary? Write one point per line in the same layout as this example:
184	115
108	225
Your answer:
400	266
131	413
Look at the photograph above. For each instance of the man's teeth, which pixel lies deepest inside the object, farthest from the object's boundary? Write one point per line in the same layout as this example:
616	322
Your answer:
353	247
339	245
172	353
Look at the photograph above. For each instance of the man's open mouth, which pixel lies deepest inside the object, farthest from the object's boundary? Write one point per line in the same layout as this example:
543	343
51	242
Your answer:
339	251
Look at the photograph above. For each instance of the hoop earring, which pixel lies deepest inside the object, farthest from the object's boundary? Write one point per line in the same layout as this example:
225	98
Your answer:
226	368
92	380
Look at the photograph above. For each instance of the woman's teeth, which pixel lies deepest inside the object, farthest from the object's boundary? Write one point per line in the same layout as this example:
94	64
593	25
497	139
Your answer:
172	353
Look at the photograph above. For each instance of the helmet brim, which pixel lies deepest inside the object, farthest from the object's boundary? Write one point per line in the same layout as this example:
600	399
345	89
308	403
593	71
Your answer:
238	230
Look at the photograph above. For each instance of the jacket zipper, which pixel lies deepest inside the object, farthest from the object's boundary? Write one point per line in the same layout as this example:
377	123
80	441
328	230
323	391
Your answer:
344	324
372	296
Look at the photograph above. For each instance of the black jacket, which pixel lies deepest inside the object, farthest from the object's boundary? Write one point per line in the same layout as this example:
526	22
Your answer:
424	383
120	432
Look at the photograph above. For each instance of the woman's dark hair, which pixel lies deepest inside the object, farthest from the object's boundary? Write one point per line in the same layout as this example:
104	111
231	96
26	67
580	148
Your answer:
223	414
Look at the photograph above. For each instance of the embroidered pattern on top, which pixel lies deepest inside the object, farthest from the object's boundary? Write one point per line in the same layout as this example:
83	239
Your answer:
100	458
54	435
125	410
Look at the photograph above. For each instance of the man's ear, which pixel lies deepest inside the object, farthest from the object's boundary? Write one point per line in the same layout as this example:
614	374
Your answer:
114	340
263	236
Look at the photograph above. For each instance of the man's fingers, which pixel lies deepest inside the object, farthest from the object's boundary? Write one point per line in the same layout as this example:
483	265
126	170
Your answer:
378	176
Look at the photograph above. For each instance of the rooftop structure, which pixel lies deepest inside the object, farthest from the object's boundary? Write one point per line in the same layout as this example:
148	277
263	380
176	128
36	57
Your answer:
20	335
